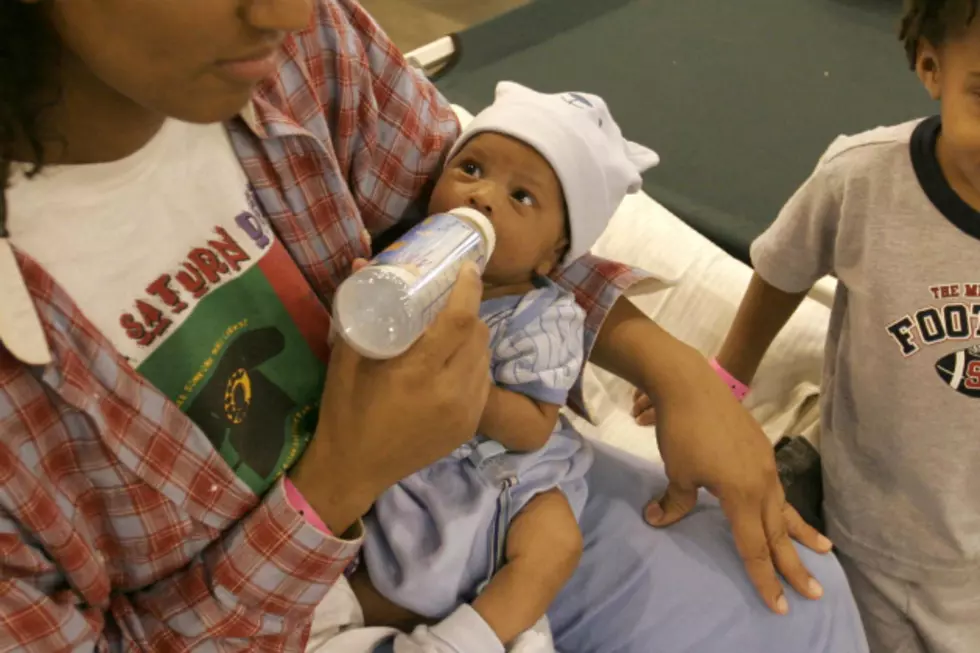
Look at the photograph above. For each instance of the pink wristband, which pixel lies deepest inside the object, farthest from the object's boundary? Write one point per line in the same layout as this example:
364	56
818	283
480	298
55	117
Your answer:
739	389
301	506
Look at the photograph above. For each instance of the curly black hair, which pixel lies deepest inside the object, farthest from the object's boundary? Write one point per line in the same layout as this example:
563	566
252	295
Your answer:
25	49
933	20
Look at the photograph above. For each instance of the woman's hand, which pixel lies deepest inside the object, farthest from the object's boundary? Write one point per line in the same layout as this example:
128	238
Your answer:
381	421
709	440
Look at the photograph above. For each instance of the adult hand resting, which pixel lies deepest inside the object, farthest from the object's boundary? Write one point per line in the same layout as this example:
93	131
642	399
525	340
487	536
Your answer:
708	440
714	443
380	421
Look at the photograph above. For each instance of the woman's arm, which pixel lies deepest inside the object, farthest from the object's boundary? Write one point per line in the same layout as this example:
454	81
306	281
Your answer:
255	586
391	128
708	440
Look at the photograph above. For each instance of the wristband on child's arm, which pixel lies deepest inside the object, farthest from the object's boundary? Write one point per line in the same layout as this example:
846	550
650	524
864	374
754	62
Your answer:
739	389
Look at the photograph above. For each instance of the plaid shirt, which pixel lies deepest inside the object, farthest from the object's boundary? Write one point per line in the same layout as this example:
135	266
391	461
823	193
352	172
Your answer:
121	528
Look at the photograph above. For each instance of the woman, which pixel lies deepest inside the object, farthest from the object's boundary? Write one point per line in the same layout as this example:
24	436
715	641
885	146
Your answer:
213	170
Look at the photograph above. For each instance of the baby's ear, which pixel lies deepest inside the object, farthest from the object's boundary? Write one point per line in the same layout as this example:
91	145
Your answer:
551	262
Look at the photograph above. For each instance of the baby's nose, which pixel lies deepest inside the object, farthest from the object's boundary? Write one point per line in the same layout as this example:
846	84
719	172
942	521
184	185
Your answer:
481	205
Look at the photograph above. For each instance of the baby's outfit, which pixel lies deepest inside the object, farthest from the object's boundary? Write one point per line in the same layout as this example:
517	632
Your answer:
436	537
901	391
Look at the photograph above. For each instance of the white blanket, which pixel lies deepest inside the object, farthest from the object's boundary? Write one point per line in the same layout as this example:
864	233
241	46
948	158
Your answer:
701	287
697	290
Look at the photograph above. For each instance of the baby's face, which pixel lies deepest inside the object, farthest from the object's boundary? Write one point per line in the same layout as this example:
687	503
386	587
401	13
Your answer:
515	187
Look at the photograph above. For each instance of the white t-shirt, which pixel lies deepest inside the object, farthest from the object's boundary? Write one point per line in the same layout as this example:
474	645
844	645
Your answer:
170	257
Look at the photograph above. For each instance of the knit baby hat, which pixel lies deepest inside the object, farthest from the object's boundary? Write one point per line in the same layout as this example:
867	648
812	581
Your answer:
578	137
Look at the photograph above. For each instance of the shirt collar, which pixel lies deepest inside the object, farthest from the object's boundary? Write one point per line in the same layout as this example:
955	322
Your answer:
250	116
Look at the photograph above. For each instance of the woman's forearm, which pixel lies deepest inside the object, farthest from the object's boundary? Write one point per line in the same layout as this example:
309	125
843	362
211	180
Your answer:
636	349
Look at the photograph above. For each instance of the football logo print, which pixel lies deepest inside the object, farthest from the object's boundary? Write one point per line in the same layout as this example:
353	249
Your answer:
961	370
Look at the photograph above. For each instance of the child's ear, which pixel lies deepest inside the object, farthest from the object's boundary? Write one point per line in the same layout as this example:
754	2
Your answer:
928	70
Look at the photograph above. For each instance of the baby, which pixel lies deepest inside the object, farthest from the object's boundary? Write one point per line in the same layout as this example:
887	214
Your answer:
484	539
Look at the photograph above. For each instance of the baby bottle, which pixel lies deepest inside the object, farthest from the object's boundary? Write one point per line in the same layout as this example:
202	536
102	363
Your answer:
382	309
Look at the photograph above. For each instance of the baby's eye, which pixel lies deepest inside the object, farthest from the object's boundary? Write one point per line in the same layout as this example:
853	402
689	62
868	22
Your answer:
471	169
523	197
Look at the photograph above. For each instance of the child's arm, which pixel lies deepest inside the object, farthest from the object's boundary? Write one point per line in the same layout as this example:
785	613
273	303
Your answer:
796	251
763	313
517	421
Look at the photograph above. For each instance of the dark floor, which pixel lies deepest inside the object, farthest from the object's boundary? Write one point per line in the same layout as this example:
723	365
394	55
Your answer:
412	23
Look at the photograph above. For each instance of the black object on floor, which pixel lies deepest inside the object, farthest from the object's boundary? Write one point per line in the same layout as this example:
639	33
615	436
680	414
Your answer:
798	463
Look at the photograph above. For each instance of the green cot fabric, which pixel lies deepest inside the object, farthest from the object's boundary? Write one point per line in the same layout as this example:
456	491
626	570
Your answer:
740	98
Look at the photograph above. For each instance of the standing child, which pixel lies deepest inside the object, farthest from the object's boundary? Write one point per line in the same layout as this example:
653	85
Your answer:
485	539
894	214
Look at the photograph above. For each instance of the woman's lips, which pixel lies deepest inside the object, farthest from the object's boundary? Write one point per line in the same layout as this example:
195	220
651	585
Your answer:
250	69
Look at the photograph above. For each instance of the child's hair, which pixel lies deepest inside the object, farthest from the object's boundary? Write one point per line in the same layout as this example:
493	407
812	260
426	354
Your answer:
933	20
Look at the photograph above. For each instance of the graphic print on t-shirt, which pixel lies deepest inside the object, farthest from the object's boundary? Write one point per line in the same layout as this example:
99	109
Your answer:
953	315
235	336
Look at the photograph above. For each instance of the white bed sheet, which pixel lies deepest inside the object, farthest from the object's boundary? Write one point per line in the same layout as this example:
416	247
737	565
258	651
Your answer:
696	302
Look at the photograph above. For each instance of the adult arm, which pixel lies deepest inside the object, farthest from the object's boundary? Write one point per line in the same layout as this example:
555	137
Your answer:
707	439
389	126
253	588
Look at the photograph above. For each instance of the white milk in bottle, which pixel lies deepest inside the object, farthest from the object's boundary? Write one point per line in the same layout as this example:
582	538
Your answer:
382	309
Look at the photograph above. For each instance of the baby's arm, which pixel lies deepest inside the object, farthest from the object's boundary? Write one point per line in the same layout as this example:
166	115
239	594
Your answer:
517	421
534	366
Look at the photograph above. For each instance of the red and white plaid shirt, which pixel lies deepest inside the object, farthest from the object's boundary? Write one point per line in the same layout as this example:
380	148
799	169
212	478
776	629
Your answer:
121	528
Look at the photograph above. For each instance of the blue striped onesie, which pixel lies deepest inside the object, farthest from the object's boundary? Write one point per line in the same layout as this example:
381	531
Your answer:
436	537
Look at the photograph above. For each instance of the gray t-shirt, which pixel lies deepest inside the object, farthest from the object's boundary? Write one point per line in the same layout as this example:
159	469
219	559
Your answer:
901	399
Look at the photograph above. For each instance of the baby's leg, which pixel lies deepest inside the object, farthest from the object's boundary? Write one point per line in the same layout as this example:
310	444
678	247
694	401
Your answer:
544	545
380	611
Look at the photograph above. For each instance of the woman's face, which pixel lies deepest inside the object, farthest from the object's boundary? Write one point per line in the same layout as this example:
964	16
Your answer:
194	60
